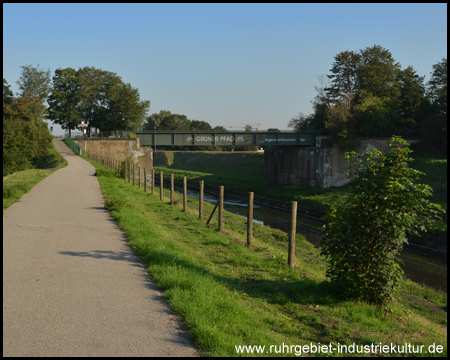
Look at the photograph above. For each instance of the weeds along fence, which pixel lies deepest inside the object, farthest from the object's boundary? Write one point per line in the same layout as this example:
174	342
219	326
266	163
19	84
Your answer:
301	218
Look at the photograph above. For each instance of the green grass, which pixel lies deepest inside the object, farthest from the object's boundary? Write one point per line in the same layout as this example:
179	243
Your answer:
21	182
230	294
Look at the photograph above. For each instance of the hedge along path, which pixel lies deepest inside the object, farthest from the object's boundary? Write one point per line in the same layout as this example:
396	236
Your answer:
71	284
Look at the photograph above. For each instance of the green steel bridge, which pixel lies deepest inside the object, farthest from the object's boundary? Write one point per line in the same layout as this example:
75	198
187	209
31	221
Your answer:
221	137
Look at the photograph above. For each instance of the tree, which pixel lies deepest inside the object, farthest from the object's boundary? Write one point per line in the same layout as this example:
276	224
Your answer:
377	72
8	95
34	82
93	92
345	79
411	96
174	122
97	96
365	233
301	122
63	100
199	125
366	91
154	120
124	110
437	86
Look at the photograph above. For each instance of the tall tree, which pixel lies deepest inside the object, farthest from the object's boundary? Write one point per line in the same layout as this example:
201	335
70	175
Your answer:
411	96
437	86
34	82
93	91
377	72
97	96
345	79
124	109
63	100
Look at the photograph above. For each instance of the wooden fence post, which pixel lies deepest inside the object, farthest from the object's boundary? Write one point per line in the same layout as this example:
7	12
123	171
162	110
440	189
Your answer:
184	194
153	181
200	201
129	173
139	174
221	191
171	189
292	232
124	170
145	179
161	188
250	219
134	174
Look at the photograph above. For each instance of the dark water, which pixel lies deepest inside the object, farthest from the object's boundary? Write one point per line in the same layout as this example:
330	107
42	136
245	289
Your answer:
429	269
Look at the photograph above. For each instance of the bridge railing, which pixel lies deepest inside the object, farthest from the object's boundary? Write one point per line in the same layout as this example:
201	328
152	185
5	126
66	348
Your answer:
73	144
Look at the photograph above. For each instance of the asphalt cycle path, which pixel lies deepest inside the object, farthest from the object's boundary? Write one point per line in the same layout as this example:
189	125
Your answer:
71	284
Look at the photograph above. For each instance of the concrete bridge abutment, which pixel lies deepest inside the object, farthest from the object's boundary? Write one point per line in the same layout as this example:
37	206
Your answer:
321	166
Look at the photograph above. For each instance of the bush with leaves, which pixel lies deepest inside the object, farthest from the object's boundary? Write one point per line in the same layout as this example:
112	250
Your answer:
365	234
25	134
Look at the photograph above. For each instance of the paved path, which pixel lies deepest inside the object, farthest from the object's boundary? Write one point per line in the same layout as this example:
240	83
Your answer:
71	284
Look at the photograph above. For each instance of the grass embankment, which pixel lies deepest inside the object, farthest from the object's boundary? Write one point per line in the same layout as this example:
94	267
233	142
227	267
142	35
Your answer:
228	294
21	182
245	172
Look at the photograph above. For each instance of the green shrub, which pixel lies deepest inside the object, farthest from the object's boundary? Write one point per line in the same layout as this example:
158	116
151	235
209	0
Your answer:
365	233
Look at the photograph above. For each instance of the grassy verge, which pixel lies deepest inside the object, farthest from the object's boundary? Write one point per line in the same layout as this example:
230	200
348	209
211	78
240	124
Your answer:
21	182
229	294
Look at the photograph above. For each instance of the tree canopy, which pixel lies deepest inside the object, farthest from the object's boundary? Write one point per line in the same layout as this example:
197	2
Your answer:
97	96
368	90
34	82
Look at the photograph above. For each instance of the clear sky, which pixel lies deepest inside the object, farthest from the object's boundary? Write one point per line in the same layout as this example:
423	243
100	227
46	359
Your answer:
227	64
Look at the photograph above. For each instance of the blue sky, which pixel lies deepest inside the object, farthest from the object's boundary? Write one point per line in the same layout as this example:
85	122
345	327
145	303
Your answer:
227	64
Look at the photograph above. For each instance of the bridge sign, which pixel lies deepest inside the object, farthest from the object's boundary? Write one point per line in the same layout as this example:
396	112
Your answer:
196	138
